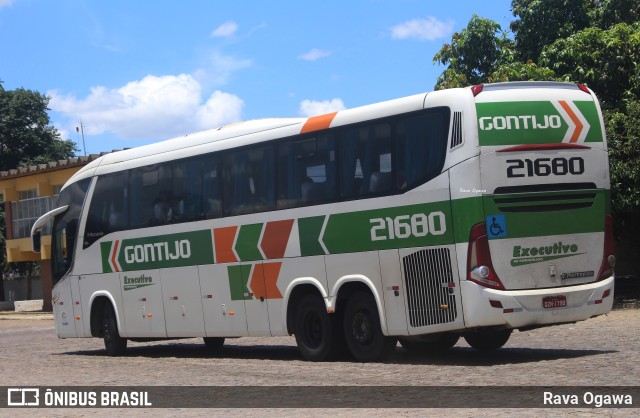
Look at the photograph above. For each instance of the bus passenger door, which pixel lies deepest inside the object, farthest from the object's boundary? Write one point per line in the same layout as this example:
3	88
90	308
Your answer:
142	301
182	302
222	294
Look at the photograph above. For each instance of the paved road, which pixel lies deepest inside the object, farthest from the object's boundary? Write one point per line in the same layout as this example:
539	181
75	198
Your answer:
600	351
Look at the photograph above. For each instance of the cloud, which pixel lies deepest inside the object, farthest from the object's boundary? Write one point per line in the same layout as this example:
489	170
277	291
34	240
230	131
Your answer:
225	30
314	54
5	3
220	67
310	108
422	29
152	108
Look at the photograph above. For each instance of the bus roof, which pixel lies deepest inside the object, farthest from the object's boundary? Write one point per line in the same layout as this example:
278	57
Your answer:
241	133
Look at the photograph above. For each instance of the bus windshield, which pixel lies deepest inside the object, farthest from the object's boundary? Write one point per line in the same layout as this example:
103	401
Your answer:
65	228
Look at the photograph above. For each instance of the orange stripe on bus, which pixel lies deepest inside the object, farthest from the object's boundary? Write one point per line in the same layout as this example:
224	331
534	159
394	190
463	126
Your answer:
224	238
114	255
317	123
275	238
264	281
575	119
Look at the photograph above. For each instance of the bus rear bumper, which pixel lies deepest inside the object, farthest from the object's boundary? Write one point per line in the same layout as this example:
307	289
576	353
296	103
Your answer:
485	307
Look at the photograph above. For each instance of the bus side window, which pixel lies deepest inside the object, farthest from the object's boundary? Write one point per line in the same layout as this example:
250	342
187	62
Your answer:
307	171
420	147
365	161
153	204
211	187
249	181
187	190
109	210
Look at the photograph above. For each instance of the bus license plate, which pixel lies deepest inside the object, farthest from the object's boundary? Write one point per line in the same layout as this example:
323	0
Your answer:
554	302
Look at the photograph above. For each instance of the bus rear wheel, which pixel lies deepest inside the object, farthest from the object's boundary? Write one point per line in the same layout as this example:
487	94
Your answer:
317	334
487	340
362	329
114	344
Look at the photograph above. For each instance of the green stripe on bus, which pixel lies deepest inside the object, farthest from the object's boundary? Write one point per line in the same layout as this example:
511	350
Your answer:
539	122
238	277
530	215
397	227
164	251
467	212
588	109
247	242
309	234
105	250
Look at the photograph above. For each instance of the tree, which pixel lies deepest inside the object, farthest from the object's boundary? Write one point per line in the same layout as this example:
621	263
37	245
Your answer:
473	54
541	22
623	136
607	60
26	138
593	42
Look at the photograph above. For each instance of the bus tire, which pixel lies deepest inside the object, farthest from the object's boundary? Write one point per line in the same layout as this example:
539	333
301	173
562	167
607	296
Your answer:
213	344
437	344
317	335
362	329
114	344
487	340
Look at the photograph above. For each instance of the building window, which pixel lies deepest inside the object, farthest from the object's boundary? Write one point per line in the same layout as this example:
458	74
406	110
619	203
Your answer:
28	209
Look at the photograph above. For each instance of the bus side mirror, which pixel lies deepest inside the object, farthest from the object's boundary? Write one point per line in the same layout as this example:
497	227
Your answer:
36	241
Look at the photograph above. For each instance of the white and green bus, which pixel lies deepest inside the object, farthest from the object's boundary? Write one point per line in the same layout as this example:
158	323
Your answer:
464	212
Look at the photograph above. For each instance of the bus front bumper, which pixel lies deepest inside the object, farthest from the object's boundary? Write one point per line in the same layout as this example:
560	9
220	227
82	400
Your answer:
484	307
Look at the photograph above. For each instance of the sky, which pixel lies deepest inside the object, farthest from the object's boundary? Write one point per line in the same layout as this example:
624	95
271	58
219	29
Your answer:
134	72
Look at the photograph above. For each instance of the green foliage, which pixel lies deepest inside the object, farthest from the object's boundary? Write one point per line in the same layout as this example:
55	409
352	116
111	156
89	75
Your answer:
26	137
473	53
606	13
623	136
594	42
522	71
608	60
541	22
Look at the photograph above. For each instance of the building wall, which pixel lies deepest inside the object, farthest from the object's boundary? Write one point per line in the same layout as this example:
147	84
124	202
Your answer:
20	250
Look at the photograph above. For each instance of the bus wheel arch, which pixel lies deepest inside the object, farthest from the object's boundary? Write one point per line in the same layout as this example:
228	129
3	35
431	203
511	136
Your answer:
318	334
363	323
97	314
347	286
114	344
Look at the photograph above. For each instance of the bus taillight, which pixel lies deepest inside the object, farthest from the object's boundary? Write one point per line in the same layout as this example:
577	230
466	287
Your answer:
477	89
479	266
608	256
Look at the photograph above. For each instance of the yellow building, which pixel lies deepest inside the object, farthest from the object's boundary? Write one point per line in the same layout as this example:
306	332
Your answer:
28	193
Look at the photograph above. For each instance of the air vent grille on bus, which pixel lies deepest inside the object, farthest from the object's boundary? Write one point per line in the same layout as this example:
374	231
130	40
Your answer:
456	130
564	196
429	284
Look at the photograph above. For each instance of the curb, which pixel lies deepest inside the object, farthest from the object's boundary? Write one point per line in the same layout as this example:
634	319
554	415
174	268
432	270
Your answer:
26	315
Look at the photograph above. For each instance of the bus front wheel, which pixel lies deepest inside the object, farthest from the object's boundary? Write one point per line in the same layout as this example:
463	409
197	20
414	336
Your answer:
487	340
113	342
362	329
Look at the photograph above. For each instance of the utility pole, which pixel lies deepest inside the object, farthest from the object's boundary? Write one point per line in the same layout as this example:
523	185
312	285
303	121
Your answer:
81	129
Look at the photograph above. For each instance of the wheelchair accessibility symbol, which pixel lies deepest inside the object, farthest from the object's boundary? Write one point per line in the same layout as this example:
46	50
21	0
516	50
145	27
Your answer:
496	226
